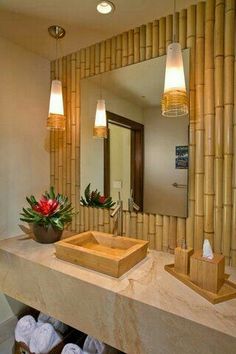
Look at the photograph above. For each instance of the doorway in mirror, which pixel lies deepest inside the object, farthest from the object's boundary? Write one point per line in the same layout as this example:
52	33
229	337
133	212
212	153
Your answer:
124	160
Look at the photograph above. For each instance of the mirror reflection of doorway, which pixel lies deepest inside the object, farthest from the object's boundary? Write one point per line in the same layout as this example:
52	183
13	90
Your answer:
124	159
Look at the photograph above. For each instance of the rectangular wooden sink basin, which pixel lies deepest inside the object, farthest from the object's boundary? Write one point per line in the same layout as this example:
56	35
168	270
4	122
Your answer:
105	253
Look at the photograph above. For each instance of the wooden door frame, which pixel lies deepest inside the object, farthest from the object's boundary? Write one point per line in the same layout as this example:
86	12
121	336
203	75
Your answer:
137	156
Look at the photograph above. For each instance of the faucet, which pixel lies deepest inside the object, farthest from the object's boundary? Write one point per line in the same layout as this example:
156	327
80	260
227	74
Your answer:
131	204
119	212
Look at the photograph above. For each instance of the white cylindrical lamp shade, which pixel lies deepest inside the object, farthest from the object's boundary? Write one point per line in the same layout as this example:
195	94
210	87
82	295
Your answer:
56	118
174	99
100	125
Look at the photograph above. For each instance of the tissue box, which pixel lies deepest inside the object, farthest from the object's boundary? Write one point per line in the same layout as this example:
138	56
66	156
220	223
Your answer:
208	274
182	260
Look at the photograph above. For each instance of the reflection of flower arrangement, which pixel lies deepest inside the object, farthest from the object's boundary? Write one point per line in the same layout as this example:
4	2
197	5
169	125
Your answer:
94	199
51	209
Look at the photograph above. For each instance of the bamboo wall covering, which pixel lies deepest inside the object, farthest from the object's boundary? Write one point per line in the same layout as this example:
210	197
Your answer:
208	29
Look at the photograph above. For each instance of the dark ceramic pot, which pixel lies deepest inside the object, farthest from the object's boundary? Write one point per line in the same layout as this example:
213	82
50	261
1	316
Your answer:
44	235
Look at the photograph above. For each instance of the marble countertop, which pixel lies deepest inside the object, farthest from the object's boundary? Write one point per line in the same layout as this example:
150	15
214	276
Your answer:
143	309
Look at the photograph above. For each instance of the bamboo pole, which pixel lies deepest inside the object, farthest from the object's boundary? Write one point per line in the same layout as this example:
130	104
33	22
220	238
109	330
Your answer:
102	57
180	231
209	119
92	61
133	224
142	42
118	51
136	45
151	231
191	43
130	47
162	36
155	39
145	226
149	41
68	126
172	243
169	30
87	62
233	236
56	141
64	72
219	124
77	140
228	125
108	55
199	128
165	240
100	220
140	226
176	26
183	28
97	60
113	53
124	61
52	137
159	232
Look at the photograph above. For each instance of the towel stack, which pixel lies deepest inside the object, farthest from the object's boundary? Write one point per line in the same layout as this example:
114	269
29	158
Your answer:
42	336
91	346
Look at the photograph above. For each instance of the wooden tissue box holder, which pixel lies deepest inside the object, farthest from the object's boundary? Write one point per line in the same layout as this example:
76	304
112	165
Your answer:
182	260
208	274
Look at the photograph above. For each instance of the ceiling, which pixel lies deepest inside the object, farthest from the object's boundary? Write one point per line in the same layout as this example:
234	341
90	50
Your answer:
25	22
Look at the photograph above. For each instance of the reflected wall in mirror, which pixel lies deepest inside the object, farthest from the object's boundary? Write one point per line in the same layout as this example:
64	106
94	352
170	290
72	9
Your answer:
149	166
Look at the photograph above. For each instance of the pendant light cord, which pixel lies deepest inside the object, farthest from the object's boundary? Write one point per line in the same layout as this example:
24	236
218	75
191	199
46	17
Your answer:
174	22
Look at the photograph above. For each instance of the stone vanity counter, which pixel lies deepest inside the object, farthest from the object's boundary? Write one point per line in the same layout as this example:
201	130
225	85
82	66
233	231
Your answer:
146	311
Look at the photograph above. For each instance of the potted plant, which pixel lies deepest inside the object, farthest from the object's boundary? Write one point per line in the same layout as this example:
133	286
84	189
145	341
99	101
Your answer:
49	216
95	199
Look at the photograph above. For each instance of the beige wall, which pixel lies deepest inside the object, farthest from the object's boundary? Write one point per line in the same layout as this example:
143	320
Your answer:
120	163
24	92
161	137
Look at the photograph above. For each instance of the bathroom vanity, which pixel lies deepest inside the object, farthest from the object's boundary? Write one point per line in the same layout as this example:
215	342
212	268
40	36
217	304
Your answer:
146	311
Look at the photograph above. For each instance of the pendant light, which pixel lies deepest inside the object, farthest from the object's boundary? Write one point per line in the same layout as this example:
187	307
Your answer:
174	101
100	124
56	118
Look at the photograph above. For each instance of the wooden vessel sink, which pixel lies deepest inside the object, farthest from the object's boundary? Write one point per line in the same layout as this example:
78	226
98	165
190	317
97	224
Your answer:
105	253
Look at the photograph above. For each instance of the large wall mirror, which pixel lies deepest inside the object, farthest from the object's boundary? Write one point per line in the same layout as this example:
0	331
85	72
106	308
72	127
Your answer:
146	154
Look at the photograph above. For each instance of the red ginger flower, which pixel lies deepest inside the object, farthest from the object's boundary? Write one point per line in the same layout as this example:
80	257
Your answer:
102	199
46	206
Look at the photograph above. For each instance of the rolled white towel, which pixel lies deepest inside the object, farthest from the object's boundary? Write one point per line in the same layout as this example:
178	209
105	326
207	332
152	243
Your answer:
24	329
44	339
58	325
72	349
43	318
94	346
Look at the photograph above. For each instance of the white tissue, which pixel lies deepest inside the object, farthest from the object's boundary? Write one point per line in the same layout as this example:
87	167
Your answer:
94	346
72	349
43	339
24	329
207	250
58	325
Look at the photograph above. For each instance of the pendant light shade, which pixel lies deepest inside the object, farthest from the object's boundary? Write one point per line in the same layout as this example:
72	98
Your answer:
100	125
174	99
56	118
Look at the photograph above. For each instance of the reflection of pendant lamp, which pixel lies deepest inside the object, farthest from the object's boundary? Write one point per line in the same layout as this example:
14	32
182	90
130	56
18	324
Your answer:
174	101
56	118
100	125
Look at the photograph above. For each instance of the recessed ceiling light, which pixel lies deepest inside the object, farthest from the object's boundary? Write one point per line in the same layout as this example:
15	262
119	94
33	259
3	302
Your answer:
105	7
